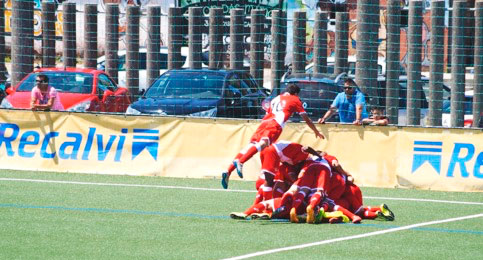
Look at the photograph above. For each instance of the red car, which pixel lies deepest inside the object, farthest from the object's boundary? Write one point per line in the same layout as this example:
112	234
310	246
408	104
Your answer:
79	90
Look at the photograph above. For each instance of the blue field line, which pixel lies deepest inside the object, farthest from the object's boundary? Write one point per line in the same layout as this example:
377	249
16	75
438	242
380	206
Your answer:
172	214
124	211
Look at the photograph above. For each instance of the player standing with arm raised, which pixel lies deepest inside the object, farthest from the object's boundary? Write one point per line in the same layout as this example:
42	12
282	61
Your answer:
281	109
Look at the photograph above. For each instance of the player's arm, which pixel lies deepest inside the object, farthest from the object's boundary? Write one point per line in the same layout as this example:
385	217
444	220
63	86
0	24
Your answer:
338	168
309	122
311	150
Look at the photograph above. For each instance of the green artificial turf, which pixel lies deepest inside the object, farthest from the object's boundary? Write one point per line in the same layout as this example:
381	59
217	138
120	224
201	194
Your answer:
174	218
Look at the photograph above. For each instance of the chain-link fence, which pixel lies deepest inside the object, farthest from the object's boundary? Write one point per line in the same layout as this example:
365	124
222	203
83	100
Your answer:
420	61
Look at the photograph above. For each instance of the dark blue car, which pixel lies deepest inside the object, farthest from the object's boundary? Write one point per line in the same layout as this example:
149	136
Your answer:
202	93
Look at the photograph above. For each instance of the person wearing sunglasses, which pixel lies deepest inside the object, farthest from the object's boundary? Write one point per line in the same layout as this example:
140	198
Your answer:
350	104
43	96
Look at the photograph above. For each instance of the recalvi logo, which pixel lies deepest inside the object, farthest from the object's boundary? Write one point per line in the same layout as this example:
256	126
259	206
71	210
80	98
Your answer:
462	154
28	144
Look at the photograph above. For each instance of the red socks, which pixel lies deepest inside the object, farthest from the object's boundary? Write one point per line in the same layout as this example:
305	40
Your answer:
315	199
298	199
232	167
249	154
354	218
257	208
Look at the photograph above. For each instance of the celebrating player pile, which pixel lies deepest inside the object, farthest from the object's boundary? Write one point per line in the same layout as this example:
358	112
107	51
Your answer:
297	182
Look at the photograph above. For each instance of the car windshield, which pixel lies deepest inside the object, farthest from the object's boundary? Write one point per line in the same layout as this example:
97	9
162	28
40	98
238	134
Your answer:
62	81
186	84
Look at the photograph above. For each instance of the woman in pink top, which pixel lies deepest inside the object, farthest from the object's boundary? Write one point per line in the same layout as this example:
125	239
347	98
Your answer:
44	97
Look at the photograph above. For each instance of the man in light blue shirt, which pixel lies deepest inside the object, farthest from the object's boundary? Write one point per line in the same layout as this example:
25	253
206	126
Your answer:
350	104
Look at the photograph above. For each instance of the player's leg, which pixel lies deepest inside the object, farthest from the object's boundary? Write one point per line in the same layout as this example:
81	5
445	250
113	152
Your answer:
298	199
266	134
225	176
279	188
354	218
286	201
253	149
312	208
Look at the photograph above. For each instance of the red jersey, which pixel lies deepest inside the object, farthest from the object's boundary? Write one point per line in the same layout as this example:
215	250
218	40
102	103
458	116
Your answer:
282	151
282	108
289	152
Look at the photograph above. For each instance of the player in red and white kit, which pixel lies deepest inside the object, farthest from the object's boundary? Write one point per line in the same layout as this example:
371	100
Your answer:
313	179
281	109
286	152
348	196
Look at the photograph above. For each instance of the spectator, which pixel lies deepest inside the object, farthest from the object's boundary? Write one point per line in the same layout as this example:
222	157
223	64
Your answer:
377	117
43	96
350	104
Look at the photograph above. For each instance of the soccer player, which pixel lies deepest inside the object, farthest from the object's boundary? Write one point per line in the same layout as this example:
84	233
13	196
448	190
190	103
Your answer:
352	200
348	196
281	109
261	210
313	178
281	152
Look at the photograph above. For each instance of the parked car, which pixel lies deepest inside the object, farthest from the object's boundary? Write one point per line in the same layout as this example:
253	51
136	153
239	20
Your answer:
79	90
381	67
317	93
202	93
163	63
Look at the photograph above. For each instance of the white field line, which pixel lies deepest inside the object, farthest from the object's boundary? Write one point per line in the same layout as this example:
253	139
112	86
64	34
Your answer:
119	184
212	189
381	232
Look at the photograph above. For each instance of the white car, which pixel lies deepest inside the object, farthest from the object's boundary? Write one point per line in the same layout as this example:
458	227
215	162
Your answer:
163	59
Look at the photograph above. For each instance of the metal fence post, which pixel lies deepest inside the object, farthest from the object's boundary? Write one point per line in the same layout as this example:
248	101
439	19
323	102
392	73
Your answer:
367	35
320	43
279	43
133	14
22	40
69	36
299	42
415	33
175	37
478	80
457	64
195	21
3	69
392	60
437	63
154	44
216	38
237	49
112	40
341	42
48	34
257	45
90	36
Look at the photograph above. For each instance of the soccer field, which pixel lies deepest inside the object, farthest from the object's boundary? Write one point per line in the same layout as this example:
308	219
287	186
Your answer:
80	216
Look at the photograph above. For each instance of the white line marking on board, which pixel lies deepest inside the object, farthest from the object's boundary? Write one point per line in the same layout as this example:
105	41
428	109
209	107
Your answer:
212	189
381	232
